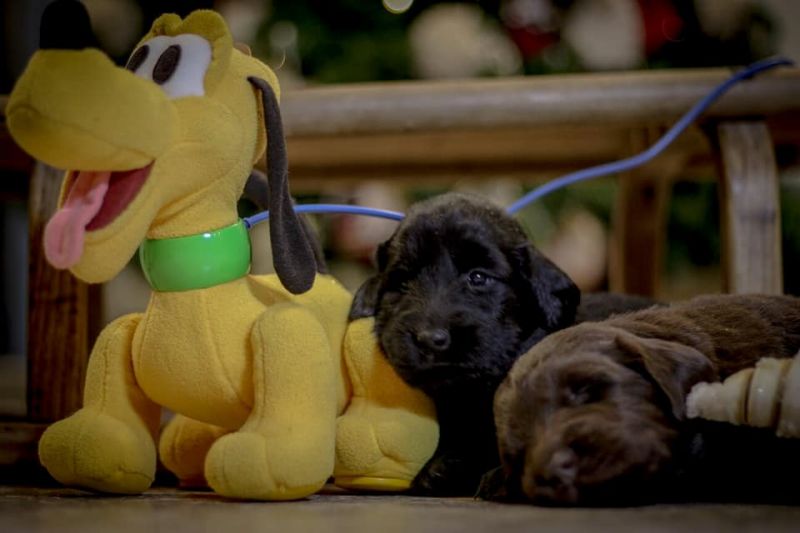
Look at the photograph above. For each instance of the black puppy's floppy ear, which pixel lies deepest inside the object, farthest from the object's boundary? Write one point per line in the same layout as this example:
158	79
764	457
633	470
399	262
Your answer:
674	367
557	295
365	301
293	255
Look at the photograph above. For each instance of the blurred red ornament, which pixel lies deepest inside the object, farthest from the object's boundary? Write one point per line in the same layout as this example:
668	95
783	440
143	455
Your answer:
661	22
531	41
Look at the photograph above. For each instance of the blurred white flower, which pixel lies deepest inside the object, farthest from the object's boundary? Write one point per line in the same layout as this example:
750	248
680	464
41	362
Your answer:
606	34
722	18
243	18
457	41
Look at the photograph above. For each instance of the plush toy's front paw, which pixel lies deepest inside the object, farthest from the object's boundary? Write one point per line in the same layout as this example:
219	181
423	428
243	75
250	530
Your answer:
376	448
389	429
245	465
363	463
97	451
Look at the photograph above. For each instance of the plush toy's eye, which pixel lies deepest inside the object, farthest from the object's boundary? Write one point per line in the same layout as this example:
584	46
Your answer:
177	64
137	58
167	64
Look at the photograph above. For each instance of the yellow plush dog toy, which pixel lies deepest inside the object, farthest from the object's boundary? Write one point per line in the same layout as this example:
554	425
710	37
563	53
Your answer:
273	393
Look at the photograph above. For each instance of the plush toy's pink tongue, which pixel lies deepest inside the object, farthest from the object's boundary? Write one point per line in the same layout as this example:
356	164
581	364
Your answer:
64	234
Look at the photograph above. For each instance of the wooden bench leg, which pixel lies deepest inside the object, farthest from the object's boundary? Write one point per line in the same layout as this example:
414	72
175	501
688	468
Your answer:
638	243
750	207
58	316
639	221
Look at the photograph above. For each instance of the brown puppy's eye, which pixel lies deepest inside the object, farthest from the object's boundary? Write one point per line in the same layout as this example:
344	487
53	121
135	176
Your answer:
583	447
167	64
583	392
138	58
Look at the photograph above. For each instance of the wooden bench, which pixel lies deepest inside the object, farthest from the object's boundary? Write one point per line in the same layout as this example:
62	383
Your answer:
534	128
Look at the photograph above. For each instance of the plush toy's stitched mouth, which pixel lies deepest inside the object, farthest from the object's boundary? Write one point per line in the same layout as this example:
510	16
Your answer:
93	201
122	189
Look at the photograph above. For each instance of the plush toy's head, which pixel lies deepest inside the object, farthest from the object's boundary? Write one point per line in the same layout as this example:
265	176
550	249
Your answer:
158	149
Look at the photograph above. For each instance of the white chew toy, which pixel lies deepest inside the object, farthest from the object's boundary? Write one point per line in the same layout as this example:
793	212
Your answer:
765	396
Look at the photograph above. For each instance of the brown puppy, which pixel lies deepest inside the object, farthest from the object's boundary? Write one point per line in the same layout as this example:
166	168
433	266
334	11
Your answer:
591	414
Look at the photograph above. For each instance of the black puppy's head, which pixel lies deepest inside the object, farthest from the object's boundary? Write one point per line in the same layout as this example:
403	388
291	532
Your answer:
460	293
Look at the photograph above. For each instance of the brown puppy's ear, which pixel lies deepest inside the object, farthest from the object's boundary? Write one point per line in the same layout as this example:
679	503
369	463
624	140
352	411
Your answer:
674	367
557	295
365	302
293	255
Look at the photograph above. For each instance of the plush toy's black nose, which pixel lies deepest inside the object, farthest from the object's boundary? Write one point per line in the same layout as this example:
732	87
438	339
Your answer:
65	24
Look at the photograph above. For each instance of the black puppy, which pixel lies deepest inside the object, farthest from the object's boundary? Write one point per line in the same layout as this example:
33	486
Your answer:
460	294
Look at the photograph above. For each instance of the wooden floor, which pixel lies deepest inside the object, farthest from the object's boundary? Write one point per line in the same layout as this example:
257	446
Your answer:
170	511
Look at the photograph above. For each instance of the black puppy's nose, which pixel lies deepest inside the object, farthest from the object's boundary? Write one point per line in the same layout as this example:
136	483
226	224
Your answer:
65	24
437	339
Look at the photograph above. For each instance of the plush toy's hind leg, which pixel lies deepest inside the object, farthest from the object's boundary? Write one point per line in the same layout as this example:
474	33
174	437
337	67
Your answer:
183	446
108	445
389	430
285	449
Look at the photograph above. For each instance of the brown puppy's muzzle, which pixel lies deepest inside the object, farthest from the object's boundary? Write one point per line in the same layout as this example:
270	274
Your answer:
596	453
551	479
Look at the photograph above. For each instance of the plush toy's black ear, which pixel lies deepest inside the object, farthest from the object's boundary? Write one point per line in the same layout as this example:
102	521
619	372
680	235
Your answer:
65	25
365	301
256	189
675	368
556	294
292	254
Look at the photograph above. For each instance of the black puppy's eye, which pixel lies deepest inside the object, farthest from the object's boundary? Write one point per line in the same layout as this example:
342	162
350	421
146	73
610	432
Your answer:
478	278
397	280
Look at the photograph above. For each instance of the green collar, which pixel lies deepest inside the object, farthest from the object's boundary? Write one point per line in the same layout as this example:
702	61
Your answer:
196	261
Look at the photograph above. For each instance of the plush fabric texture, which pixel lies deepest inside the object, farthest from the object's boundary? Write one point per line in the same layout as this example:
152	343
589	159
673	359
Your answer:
270	399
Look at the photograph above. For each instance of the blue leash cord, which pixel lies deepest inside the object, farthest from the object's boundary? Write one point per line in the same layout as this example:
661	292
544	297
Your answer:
659	146
338	209
605	169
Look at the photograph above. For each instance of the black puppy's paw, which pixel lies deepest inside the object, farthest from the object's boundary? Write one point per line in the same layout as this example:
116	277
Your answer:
494	486
446	475
497	487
